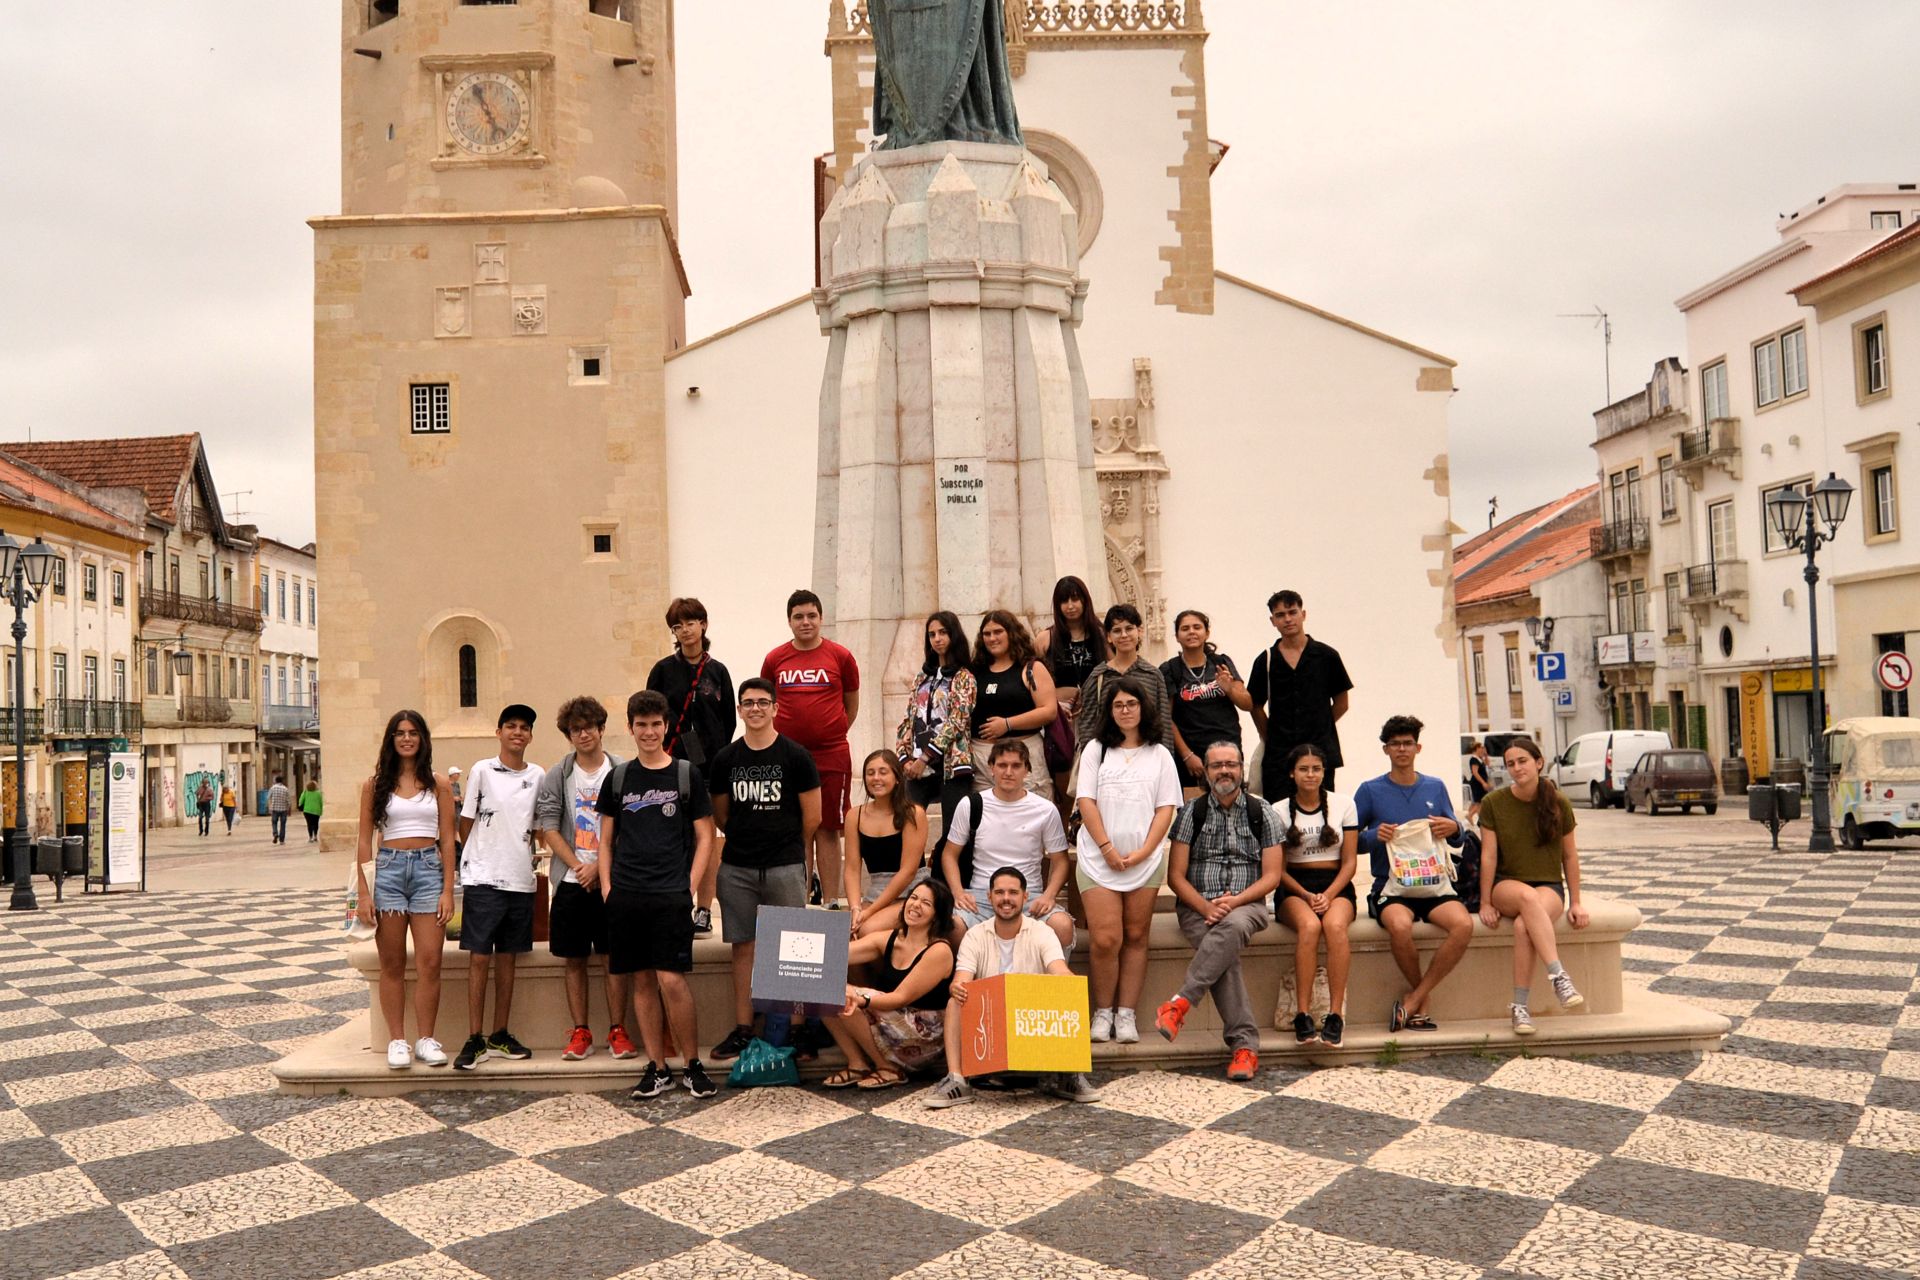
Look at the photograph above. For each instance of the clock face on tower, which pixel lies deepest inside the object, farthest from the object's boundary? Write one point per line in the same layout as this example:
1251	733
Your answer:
487	113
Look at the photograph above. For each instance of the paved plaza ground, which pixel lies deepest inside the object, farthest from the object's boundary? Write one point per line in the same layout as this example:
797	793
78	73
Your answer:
140	1136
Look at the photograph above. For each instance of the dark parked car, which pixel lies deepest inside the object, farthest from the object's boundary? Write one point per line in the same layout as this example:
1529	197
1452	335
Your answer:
1685	778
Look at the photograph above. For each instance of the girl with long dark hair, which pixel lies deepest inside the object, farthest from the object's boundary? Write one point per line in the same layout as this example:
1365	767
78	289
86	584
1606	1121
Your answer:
1072	646
886	841
932	738
1320	839
1016	699
1528	858
1205	694
411	886
1127	791
896	1023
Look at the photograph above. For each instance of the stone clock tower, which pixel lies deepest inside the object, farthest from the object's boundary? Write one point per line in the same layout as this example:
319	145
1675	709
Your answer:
492	308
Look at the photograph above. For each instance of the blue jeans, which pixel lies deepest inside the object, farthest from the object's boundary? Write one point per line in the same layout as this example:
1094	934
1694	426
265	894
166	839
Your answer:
279	828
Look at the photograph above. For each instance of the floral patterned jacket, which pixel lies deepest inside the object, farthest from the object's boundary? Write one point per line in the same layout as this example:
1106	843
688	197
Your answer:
943	703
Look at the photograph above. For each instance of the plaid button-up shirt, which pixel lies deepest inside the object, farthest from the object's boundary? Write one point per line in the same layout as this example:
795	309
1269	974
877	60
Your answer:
1226	857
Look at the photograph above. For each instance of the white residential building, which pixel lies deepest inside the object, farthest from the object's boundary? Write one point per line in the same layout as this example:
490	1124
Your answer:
1784	348
288	597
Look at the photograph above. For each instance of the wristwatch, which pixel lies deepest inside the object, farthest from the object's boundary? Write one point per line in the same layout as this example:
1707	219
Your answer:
866	999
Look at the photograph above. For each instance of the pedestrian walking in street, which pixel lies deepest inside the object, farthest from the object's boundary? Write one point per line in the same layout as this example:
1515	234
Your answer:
203	797
409	890
279	807
229	804
310	806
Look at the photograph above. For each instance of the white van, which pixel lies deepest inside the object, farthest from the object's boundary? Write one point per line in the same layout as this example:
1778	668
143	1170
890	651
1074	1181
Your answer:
1596	765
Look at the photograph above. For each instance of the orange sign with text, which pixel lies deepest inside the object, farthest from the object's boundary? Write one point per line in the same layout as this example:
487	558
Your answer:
1025	1022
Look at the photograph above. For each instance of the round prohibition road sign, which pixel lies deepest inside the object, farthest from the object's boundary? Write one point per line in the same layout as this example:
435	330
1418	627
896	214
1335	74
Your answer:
1894	671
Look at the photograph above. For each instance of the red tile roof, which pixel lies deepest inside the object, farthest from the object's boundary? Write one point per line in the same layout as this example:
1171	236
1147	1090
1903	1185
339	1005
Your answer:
1515	570
155	465
1897	240
1476	550
24	486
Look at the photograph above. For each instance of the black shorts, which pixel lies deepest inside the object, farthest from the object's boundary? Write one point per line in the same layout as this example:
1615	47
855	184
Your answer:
1554	885
1314	880
1422	908
495	921
577	925
650	931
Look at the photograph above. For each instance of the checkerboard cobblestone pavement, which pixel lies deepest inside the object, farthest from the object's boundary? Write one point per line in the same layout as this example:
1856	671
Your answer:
140	1138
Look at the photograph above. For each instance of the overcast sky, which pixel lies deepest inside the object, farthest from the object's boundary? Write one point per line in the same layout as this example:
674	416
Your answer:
1455	174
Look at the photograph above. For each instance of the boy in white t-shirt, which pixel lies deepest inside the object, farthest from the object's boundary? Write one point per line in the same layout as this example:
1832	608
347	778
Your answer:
1018	829
497	883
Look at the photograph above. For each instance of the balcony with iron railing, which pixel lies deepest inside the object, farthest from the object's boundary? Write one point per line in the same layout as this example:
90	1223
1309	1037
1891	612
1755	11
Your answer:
1619	538
278	717
90	718
1717	444
1722	583
202	609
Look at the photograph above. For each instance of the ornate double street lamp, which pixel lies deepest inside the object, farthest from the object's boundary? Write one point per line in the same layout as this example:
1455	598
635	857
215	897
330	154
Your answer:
1796	517
23	573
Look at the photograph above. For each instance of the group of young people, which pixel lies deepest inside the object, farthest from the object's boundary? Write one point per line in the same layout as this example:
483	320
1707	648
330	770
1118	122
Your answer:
1066	757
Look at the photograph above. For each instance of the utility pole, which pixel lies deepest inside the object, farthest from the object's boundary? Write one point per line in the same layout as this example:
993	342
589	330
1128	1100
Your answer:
1604	323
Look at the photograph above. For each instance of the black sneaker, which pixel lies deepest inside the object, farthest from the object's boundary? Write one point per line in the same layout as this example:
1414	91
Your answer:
702	921
695	1078
654	1081
1302	1028
813	893
471	1054
734	1045
1332	1029
501	1044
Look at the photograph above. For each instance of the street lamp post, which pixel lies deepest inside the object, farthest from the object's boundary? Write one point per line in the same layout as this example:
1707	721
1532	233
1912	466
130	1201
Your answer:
22	575
1796	517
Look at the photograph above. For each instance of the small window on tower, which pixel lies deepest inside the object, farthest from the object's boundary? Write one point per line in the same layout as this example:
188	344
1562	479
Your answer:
600	534
379	11
603	544
587	366
590	367
432	408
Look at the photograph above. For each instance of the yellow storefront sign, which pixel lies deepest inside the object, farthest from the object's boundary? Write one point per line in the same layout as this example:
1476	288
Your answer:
1792	682
1026	1022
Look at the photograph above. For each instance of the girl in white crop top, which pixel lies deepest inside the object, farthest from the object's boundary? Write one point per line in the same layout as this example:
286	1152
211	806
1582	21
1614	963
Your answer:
408	887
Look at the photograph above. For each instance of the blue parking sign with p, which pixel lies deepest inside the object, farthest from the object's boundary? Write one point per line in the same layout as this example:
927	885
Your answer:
1550	666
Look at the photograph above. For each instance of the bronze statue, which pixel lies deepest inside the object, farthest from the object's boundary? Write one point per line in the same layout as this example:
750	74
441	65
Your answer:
942	72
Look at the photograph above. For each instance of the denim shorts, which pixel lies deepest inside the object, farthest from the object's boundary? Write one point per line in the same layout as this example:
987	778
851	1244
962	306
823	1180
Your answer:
408	880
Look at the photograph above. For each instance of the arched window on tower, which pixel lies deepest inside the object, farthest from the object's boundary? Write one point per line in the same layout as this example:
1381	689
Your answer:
469	676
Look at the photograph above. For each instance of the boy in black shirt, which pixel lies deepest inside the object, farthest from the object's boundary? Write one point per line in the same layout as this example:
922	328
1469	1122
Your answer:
656	836
766	797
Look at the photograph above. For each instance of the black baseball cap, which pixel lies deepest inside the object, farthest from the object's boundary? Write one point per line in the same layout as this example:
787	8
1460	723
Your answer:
516	711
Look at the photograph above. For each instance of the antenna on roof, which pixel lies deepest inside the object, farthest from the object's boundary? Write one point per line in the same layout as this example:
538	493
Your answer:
236	495
1604	323
1493	510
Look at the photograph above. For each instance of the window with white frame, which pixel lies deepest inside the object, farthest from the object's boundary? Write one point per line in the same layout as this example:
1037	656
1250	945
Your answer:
119	587
153	671
263	591
1793	362
59	575
1480	673
119	679
1641	621
1513	671
1884	220
60	675
1672	585
296	599
1713	392
1883	513
1870	372
280	594
1669	496
90	582
1774	542
1720	542
313	606
432	408
1621	618
1766	373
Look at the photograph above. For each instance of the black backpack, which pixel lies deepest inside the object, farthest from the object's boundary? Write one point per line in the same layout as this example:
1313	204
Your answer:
1256	818
975	807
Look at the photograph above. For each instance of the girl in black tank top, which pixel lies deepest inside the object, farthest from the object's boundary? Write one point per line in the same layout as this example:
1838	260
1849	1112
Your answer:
895	1023
888	978
886	840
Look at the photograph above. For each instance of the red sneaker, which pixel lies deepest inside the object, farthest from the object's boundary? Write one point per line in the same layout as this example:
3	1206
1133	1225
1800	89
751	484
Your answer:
1245	1063
1171	1016
579	1045
618	1044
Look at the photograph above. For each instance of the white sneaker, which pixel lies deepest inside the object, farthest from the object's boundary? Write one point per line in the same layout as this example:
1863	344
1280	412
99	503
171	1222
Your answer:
399	1056
1102	1025
428	1050
1126	1028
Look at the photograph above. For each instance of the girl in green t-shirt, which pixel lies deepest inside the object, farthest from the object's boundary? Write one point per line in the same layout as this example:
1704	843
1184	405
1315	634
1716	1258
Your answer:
1526	853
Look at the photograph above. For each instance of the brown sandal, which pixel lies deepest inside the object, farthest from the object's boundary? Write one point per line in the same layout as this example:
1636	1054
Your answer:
883	1078
846	1078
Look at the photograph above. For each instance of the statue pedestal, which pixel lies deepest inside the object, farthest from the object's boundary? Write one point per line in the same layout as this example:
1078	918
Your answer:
956	466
